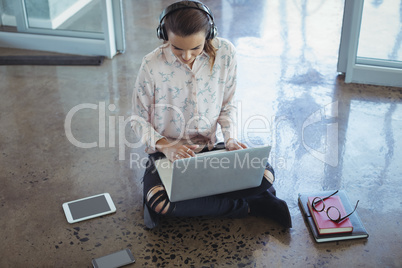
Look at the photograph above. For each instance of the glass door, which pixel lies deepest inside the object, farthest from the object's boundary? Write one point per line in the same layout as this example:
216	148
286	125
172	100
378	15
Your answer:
79	18
381	32
370	50
7	15
85	27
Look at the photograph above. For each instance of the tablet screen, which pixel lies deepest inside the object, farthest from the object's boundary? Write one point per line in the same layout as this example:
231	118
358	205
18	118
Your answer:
88	207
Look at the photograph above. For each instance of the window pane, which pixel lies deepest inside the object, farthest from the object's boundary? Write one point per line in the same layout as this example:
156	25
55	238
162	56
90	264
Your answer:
77	15
381	30
7	15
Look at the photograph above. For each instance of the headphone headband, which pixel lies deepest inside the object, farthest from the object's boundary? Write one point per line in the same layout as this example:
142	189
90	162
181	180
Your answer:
185	4
161	31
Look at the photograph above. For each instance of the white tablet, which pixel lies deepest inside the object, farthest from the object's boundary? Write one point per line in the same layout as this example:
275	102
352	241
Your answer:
88	208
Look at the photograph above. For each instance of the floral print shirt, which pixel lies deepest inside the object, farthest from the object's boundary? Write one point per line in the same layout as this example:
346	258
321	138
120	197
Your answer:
173	101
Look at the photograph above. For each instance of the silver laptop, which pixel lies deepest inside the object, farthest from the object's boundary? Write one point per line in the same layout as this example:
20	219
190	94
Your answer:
213	172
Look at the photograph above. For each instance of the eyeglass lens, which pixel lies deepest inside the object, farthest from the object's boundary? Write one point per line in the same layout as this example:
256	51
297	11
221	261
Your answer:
318	204
333	213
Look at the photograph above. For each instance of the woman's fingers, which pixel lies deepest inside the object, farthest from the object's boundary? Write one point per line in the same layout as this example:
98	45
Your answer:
184	151
189	151
233	144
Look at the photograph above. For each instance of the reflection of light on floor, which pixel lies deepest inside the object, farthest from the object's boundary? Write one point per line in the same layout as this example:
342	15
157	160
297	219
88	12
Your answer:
371	148
290	38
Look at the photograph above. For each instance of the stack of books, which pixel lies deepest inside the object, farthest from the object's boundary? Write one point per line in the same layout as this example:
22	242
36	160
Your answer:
325	230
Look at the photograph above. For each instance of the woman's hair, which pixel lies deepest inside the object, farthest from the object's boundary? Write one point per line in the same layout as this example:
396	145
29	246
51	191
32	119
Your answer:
188	21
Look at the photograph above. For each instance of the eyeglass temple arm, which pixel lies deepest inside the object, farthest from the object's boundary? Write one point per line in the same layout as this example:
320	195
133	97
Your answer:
322	199
341	219
331	195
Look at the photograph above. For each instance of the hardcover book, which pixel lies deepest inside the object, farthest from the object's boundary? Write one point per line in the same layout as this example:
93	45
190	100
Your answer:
323	223
358	231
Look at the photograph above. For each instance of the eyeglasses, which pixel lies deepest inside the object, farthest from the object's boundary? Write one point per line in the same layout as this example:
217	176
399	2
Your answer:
333	213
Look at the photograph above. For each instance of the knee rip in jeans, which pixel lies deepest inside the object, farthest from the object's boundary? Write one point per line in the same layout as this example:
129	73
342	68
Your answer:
269	176
158	200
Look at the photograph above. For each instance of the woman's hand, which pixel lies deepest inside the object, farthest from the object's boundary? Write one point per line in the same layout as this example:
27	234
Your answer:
233	144
175	151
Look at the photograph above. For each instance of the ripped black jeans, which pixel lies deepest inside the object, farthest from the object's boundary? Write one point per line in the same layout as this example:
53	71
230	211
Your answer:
229	205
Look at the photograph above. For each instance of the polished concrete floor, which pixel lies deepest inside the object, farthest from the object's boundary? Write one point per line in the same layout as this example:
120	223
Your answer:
325	135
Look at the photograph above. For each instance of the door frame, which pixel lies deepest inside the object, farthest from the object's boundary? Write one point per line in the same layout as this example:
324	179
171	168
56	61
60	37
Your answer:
107	44
359	69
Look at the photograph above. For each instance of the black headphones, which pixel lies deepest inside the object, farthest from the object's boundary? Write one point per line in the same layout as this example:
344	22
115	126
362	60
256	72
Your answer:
161	30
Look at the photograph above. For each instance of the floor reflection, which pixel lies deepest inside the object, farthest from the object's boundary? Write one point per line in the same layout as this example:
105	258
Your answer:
369	160
325	135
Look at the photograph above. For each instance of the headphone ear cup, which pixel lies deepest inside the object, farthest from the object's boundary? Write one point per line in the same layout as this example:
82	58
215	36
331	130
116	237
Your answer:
213	32
158	31
161	32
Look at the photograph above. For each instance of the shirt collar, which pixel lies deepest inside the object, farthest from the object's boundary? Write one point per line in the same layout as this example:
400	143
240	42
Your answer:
171	58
